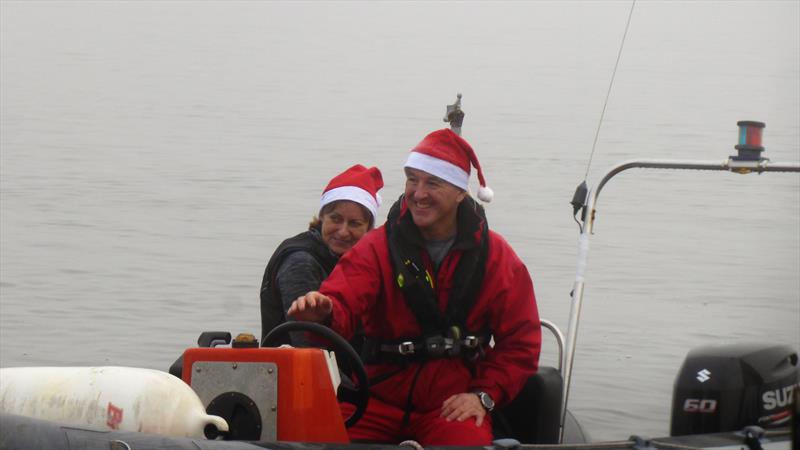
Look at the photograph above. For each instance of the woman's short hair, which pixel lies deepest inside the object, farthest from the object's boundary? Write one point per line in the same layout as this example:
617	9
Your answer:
316	221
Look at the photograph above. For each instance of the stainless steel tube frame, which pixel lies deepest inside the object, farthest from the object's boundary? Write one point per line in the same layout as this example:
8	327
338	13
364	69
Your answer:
743	167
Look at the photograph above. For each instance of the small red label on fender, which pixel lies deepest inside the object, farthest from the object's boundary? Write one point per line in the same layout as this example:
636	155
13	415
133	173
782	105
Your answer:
114	416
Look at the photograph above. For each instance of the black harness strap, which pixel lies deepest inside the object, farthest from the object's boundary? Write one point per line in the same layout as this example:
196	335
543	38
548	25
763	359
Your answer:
402	352
410	398
417	286
472	265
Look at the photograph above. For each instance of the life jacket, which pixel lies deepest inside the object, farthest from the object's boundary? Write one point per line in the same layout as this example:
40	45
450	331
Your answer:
443	334
272	310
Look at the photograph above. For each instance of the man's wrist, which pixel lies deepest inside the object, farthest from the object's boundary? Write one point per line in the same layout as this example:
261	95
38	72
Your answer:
486	400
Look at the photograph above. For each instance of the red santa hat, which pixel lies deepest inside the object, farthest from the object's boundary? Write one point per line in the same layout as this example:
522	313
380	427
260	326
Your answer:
357	184
446	155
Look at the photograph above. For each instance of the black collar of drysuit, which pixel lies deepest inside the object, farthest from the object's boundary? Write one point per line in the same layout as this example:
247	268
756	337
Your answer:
470	224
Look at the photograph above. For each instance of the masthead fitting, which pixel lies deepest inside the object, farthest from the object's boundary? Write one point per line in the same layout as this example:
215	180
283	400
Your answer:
750	144
454	115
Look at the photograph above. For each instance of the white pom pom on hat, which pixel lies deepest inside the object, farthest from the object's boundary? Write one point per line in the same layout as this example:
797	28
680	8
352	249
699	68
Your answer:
485	194
448	156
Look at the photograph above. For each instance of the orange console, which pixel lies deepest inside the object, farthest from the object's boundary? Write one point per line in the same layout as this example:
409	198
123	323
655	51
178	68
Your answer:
284	394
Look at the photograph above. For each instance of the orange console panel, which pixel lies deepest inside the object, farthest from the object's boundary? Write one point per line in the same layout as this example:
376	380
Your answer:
307	408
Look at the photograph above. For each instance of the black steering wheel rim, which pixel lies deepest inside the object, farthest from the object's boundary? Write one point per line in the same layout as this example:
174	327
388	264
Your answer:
358	396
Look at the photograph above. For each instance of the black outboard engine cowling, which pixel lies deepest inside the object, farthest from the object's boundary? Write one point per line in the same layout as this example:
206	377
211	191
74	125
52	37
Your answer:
726	388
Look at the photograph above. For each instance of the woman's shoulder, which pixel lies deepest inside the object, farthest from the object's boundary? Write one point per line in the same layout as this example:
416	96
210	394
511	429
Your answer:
301	264
304	249
308	235
299	256
306	242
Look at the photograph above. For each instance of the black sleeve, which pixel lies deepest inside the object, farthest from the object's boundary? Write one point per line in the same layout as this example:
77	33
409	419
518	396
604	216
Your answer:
299	274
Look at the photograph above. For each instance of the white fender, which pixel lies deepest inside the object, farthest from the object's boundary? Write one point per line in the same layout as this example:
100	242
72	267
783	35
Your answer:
118	398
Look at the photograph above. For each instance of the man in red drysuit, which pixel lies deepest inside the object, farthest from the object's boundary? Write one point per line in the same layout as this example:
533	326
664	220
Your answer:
432	287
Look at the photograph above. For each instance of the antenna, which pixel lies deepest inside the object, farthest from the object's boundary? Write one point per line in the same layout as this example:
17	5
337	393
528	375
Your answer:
579	197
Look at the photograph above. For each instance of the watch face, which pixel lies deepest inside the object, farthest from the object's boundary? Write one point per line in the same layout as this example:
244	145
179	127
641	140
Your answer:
486	401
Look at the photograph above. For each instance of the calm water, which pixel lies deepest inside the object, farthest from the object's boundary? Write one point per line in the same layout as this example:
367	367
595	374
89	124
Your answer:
155	153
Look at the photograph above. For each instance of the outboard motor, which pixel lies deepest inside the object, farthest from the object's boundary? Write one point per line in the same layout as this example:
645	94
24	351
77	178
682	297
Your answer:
726	388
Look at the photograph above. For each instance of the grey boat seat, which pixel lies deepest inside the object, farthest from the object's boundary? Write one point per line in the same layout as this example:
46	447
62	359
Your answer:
533	416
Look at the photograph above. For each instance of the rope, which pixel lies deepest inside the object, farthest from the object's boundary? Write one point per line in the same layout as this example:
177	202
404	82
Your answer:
413	444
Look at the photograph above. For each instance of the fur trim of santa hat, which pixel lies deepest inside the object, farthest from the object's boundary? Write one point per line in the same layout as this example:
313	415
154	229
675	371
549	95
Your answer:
357	184
448	156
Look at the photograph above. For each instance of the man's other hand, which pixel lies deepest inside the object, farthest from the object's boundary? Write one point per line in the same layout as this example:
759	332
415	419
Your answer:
312	307
463	406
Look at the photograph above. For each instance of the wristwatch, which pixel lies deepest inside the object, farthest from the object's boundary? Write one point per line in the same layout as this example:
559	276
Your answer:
486	400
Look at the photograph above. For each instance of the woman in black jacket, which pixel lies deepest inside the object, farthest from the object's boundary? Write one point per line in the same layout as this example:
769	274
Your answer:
348	209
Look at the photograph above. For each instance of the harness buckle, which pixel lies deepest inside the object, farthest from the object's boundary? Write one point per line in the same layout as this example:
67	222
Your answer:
406	348
471	342
438	345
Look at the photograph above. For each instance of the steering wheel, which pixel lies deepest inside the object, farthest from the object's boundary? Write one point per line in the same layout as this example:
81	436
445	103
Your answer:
355	395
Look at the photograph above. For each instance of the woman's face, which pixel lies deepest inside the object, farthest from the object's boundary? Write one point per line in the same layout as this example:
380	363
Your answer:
344	225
